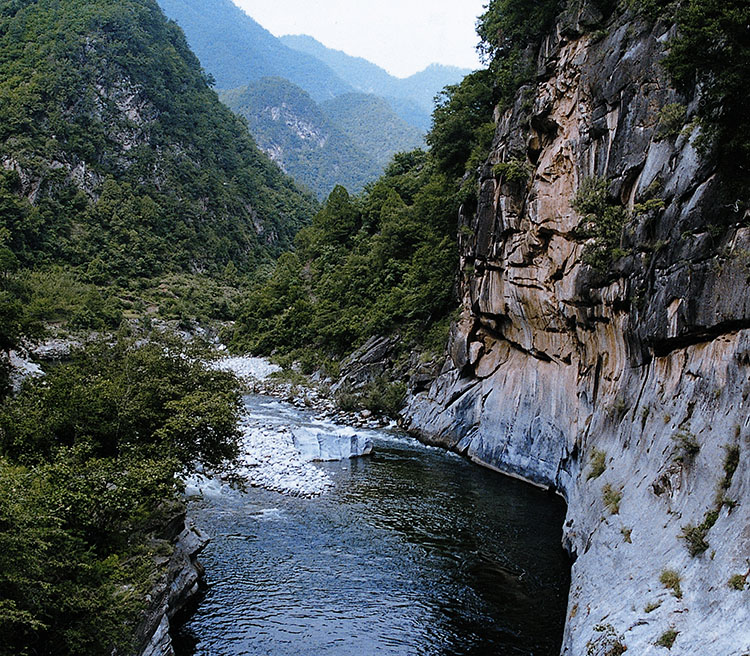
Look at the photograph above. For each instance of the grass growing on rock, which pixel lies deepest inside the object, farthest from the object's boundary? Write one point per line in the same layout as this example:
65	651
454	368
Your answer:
672	580
737	582
598	462
667	638
612	498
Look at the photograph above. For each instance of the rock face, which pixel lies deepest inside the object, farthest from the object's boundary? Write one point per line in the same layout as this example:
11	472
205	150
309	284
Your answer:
317	445
627	389
178	584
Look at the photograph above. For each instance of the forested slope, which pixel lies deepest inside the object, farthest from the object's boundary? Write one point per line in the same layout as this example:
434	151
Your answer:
293	130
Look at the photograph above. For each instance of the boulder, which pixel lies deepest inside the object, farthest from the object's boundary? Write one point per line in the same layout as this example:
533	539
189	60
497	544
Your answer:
315	444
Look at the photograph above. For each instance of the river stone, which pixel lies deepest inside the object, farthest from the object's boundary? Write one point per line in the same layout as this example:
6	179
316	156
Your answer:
315	444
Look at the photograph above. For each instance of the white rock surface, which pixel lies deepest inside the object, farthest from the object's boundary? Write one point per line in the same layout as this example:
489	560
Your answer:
246	368
21	369
330	444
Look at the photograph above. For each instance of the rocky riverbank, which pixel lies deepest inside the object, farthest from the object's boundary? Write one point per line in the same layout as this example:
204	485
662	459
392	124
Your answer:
177	586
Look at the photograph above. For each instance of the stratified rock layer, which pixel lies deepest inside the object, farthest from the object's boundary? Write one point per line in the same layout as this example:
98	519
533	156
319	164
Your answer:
625	390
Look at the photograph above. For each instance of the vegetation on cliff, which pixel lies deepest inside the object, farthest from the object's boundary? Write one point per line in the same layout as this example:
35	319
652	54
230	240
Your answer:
346	141
91	460
119	161
367	265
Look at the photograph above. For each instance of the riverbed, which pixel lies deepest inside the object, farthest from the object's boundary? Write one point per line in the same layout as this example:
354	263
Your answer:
408	551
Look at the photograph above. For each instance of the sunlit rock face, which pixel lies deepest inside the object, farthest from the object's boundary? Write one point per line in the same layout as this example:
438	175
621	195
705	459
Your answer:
625	390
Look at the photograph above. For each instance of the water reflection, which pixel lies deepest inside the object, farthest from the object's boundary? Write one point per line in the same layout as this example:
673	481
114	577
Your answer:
413	552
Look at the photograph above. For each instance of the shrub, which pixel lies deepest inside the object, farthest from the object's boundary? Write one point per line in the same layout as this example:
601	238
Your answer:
603	223
737	582
672	118
652	606
598	462
667	639
687	446
671	580
612	498
515	171
695	537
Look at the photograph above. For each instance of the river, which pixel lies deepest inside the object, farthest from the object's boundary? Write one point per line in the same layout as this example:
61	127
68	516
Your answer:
411	551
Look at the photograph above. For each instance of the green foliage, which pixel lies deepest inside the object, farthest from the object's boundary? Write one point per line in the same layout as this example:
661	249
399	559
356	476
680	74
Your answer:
384	397
462	122
515	171
731	462
652	606
90	458
687	446
603	223
117	398
712	49
671	580
508	24
672	119
598	463
695	538
737	582
367	265
667	639
309	143
612	498
373	127
166	179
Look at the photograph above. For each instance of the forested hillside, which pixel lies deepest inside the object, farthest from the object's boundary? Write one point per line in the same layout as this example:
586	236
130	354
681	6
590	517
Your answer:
126	188
347	140
121	170
412	98
373	126
236	50
383	262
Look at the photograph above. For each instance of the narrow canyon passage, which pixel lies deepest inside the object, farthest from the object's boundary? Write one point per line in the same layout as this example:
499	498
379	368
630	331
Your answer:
412	551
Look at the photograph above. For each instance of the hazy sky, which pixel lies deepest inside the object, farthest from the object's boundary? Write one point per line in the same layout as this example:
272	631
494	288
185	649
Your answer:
402	36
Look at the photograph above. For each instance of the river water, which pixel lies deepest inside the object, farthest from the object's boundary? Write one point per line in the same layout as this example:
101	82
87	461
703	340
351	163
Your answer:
412	551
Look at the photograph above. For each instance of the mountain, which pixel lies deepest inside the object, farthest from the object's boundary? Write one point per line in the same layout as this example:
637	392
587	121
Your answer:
373	126
300	137
117	156
236	50
365	76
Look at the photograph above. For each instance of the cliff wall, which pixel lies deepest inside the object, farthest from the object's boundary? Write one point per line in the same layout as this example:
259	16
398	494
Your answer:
624	387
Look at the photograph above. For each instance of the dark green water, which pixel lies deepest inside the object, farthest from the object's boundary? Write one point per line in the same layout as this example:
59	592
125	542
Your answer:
413	552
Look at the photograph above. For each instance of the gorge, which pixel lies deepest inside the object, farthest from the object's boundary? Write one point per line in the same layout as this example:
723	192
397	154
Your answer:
554	289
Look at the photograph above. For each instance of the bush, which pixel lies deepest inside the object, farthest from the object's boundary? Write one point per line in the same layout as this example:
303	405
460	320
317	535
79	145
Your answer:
612	498
671	580
598	462
667	639
90	459
515	171
737	582
672	118
603	223
124	396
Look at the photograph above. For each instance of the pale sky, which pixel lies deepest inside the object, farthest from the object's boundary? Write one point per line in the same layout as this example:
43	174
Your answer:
401	36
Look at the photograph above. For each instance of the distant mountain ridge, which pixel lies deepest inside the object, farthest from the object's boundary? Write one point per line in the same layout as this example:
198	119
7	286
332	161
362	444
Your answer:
237	50
348	101
367	77
347	140
295	132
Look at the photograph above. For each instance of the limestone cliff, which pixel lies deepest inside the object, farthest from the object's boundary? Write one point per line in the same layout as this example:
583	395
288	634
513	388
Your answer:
625	389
